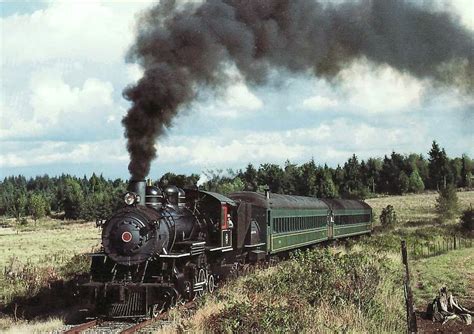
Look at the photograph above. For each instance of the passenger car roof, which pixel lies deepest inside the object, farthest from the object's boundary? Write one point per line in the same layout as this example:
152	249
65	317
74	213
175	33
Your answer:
277	201
346	204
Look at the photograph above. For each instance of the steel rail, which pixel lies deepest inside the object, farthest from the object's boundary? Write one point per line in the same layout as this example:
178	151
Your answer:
143	324
82	327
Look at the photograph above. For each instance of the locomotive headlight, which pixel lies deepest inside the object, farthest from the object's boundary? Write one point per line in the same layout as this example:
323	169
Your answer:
130	198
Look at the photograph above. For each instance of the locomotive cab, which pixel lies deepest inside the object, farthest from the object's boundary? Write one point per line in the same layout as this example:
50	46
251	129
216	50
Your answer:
220	212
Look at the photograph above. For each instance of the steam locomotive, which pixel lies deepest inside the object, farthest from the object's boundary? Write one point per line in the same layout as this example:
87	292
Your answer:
172	244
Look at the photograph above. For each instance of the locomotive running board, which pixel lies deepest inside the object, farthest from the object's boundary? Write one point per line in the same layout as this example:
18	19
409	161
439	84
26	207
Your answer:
256	245
223	249
174	256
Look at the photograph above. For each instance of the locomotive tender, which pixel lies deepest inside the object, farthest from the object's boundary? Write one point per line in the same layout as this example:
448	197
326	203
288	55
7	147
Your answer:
172	244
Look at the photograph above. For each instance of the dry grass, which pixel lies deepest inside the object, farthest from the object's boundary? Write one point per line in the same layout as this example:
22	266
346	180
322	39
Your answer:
31	255
38	243
416	207
8	326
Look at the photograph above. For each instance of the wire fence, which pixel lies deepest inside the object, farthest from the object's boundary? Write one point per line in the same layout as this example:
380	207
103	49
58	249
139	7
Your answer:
425	249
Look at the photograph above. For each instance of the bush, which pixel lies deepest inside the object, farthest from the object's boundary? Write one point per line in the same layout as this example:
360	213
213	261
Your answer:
289	297
467	219
388	217
447	203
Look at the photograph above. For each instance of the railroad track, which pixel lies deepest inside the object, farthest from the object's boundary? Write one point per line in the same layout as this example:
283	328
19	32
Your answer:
105	326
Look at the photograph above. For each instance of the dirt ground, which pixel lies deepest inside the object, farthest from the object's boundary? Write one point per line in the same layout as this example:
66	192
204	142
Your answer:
452	326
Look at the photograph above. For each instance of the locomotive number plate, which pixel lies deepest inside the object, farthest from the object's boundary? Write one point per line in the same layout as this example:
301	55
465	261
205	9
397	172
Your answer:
226	238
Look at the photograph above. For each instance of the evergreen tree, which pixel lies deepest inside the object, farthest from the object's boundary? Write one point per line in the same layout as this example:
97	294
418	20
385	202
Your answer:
19	205
415	183
271	175
291	178
249	177
467	219
438	166
373	168
447	203
403	183
38	206
466	171
325	185
73	199
307	182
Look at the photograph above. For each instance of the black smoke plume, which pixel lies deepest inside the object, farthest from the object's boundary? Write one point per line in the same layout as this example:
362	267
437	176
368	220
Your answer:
184	47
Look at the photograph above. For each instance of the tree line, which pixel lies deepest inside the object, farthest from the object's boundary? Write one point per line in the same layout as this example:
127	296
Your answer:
96	197
79	198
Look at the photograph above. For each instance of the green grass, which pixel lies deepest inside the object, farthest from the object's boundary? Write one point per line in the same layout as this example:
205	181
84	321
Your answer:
454	269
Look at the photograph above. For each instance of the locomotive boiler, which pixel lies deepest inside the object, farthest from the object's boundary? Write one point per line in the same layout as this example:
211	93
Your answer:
171	244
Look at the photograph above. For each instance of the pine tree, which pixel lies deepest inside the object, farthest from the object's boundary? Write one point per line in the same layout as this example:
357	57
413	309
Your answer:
37	206
447	203
466	171
416	184
403	183
438	167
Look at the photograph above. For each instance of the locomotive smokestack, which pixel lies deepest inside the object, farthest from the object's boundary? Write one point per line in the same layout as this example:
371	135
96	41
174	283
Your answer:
184	47
138	187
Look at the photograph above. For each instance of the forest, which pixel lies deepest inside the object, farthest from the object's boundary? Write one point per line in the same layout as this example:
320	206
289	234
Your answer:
96	197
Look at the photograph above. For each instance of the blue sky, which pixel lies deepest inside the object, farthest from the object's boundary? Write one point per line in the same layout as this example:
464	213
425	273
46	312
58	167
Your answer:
63	72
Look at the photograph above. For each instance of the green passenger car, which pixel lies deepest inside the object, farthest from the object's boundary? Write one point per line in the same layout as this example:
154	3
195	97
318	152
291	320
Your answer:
288	222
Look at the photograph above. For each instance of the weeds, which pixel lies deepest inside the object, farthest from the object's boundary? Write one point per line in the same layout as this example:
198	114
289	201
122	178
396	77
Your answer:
311	282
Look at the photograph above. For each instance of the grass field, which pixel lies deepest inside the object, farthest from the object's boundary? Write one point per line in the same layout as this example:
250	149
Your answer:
416	208
49	241
33	255
51	244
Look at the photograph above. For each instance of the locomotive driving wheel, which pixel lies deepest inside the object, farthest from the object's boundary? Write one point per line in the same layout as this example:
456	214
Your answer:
211	283
200	282
157	309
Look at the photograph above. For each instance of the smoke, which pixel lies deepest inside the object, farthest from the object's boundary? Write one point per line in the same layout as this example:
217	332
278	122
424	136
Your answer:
183	48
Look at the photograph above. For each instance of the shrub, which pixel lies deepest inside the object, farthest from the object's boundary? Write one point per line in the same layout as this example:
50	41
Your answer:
287	298
388	217
447	203
467	219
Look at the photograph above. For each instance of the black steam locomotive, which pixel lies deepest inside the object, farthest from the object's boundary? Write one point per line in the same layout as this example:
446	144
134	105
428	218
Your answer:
168	244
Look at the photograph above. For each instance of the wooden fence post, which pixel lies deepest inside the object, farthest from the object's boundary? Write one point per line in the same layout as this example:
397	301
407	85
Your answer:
411	316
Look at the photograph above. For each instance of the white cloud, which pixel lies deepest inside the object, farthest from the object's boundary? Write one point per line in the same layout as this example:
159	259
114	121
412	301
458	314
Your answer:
239	96
134	72
84	31
55	104
319	102
380	89
332	141
57	152
463	8
236	101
